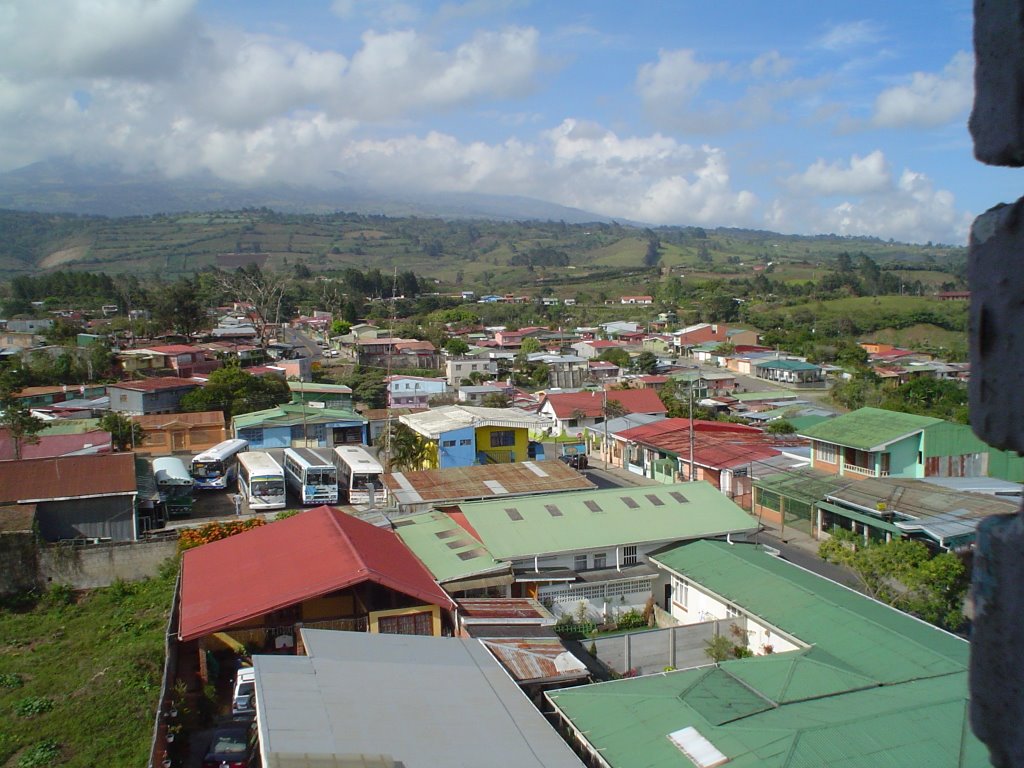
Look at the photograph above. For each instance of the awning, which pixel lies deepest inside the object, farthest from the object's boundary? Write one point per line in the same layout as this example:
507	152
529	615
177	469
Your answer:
860	517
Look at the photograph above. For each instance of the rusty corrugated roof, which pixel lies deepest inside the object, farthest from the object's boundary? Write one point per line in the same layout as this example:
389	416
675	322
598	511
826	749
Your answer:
529	659
67	477
484	481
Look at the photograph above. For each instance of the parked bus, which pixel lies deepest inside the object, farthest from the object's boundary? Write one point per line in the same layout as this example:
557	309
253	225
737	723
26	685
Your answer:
174	484
358	470
312	476
261	481
217	467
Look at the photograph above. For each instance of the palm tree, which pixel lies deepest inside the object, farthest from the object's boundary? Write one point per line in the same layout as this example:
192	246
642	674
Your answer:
403	448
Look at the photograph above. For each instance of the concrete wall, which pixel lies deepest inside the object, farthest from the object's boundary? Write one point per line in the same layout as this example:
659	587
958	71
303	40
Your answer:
86	567
650	651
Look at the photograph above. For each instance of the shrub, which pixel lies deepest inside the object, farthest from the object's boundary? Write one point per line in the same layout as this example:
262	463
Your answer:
32	705
11	680
41	755
631	619
59	594
195	537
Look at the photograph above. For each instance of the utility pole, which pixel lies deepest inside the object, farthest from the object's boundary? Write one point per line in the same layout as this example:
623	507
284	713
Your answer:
606	447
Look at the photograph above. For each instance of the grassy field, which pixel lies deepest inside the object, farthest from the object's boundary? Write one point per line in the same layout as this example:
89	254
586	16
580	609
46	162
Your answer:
80	676
865	314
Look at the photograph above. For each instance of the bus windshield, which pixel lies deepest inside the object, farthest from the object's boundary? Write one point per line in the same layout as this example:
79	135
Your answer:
362	481
321	477
207	468
267	488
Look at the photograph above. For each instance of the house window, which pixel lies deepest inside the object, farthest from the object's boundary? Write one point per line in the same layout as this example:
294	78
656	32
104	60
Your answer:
579	563
503	438
681	592
409	624
448	443
731	612
123	398
572	423
600	560
825	452
465	442
629	554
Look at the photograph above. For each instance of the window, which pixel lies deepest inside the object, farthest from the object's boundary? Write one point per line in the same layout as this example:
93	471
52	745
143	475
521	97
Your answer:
825	452
448	443
681	592
629	554
600	560
732	612
465	442
579	563
503	438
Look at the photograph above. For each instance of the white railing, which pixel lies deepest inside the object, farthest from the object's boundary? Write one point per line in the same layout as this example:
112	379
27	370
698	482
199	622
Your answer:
868	471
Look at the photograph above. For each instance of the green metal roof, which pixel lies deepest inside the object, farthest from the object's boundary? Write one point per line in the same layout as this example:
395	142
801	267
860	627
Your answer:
806	485
874	687
864	635
444	547
788	365
860	517
868	428
801	423
293	413
318	387
70	426
920	723
607	518
775	394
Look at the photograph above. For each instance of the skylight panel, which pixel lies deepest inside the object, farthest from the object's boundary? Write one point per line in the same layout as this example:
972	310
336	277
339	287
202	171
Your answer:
655	500
630	502
593	506
698	749
553	510
679	497
513	514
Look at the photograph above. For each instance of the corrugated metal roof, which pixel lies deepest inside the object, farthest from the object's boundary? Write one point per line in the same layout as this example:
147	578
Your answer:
531	659
424	702
435	422
565	404
869	428
289	414
193	419
476	482
311	554
67	477
658	517
155	384
448	550
503	610
875	687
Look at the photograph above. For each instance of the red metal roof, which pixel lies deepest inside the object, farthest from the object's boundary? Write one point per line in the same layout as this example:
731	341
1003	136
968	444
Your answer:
155	384
67	477
171	349
715	444
592	403
96	441
314	553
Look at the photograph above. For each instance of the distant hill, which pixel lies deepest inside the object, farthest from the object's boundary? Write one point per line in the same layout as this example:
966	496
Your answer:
59	186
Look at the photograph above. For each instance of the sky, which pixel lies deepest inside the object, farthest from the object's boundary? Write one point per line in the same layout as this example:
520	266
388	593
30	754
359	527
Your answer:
793	116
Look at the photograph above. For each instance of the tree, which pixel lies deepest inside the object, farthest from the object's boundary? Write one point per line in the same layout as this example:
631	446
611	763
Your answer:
645	362
265	292
235	391
904	574
780	427
402	448
125	433
340	327
613	409
456	347
496	400
17	418
616	356
529	346
177	307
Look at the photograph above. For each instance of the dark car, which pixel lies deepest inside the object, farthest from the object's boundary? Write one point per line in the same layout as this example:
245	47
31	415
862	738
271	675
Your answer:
233	745
575	460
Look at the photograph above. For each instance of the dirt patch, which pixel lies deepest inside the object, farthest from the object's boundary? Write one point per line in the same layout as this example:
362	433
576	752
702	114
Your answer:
65	256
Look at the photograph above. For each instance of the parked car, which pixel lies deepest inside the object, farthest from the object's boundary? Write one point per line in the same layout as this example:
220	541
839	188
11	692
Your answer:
243	699
234	745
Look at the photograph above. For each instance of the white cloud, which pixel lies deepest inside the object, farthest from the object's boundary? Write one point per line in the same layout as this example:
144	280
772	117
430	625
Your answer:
908	209
862	175
849	35
928	99
669	84
770	64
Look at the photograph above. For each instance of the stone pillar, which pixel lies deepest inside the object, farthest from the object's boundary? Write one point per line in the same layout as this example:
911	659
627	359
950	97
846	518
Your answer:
996	391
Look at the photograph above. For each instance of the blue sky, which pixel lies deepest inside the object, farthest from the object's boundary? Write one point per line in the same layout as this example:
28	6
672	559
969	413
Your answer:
800	117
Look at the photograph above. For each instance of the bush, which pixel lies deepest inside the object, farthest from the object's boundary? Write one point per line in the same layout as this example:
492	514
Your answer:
631	619
59	594
195	537
10	680
41	755
32	705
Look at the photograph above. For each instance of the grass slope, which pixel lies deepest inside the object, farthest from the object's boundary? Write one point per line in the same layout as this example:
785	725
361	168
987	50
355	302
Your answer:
99	659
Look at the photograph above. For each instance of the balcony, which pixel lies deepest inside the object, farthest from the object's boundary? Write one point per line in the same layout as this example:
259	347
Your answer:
856	469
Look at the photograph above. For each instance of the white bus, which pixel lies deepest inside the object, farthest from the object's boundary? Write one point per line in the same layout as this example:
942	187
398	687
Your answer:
174	484
217	467
312	476
261	481
358	470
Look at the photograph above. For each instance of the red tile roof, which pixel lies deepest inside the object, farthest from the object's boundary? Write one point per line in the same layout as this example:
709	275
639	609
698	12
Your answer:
312	554
155	384
67	477
592	403
172	349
